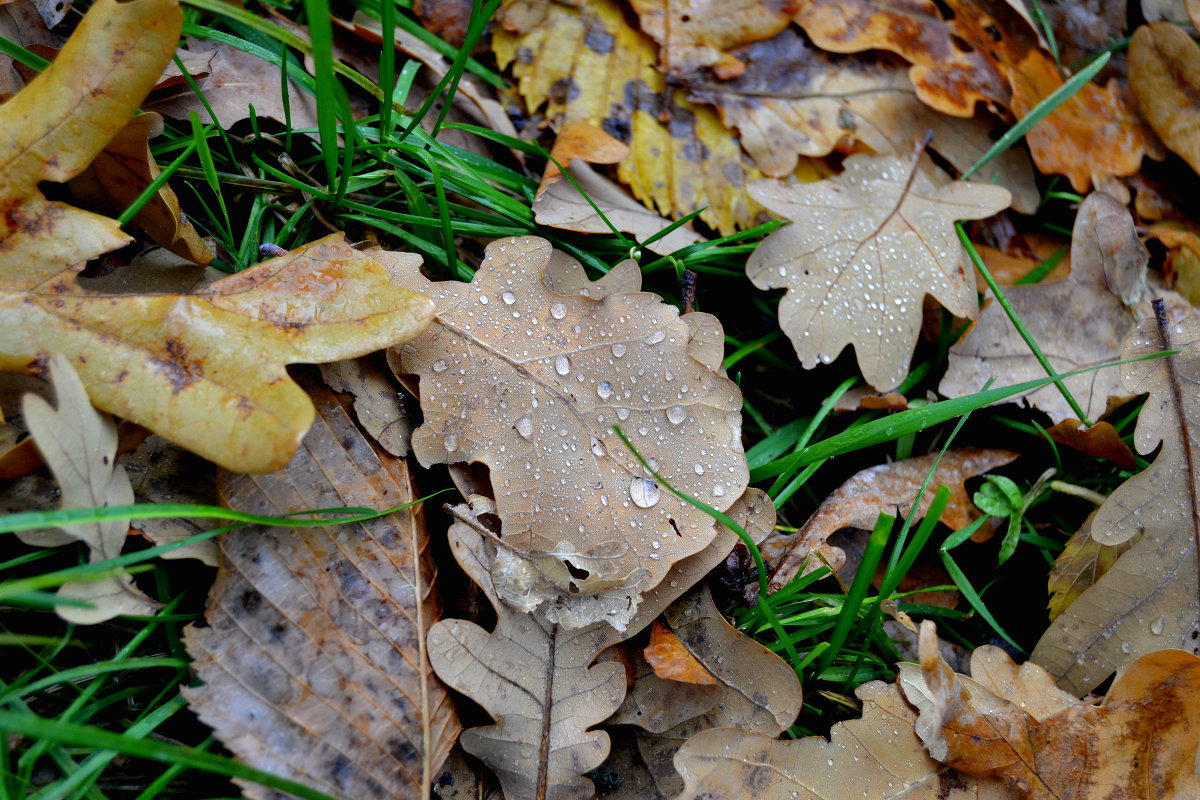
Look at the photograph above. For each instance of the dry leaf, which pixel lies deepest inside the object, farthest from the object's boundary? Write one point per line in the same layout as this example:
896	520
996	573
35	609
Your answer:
157	471
314	661
1148	599
695	34
1082	562
531	383
1164	74
377	404
21	24
657	704
559	204
236	80
671	660
1085	27
794	100
885	489
589	65
1078	321
1182	266
862	251
79	445
877	757
116	178
1018	730
1100	440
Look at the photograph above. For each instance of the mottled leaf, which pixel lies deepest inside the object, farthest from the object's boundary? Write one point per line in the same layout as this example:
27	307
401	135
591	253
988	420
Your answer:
377	404
1164	74
698	34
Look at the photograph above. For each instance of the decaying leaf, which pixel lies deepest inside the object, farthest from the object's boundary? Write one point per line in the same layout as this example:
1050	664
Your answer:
588	64
1078	321
671	660
698	34
795	100
1182	265
116	178
885	489
21	24
862	251
879	755
658	703
1082	562
1164	74
1100	440
533	676
1010	724
377	404
1148	599
531	383
79	445
314	659
559	204
236	80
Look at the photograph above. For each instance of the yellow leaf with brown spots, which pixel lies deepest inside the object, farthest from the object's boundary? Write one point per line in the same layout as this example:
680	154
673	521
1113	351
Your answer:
590	65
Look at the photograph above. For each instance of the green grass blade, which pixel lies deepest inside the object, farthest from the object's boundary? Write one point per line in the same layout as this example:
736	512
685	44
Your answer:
320	30
858	589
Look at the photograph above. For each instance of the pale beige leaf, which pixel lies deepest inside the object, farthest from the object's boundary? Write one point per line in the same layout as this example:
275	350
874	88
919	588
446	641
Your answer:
878	757
1078	321
79	445
1027	686
863	250
377	403
531	383
314	662
1148	599
885	489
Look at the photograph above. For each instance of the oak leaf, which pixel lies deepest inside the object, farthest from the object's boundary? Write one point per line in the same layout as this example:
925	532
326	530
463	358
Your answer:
1009	723
588	64
1164	74
1082	562
1148	599
1078	321
1101	440
671	660
657	703
884	489
79	445
377	403
314	660
531	383
863	250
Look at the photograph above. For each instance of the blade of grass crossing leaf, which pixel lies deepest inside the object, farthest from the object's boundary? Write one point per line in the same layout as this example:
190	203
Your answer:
21	55
1035	10
826	407
1043	269
152	189
414	28
212	115
858	589
1039	112
320	30
1013	317
387	67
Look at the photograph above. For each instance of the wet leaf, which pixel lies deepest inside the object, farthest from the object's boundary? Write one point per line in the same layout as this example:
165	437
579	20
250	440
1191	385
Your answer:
1100	440
695	35
863	250
79	445
671	660
1082	562
314	662
1010	725
1148	599
656	704
156	470
377	404
531	383
589	65
795	100
1164	74
1078	321
884	489
879	754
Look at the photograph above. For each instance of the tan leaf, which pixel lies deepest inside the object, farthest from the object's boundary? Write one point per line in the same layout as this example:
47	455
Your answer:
156	470
1078	321
1100	440
671	660
862	251
148	358
1164	74
531	383
559	204
235	81
1082	562
1148	599
885	489
377	404
879	755
314	660
795	100
1044	748
119	175
695	34
79	445
589	64
657	704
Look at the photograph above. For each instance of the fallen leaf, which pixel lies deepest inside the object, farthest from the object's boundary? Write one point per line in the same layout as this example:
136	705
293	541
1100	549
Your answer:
1078	321
559	204
21	24
531	383
79	445
1182	266
699	34
1085	27
1082	562
623	775
794	100
1164	74
862	251
119	174
1148	599
885	489
1094	134
155	467
589	65
377	404
671	660
314	662
879	755
1100	440
657	703
236	80
1017	730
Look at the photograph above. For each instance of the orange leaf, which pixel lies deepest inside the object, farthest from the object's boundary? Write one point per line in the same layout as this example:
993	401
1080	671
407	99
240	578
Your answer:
673	661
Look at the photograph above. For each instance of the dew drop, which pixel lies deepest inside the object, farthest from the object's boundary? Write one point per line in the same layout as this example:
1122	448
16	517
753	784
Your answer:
699	469
644	492
509	298
597	447
440	365
604	390
618	349
622	414
451	443
1157	626
656	337
562	365
719	490
525	427
558	310
676	414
